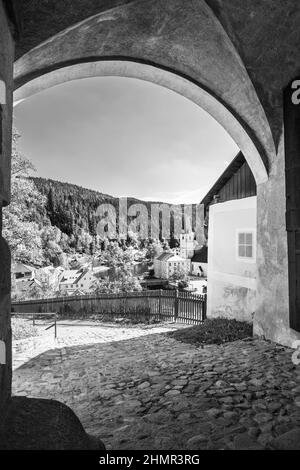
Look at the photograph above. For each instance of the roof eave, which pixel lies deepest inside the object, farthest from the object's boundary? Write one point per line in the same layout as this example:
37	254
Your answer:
236	163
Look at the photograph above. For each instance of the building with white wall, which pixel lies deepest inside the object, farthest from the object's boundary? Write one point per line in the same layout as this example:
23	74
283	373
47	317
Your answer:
231	275
50	276
22	272
187	244
81	280
169	263
187	258
87	281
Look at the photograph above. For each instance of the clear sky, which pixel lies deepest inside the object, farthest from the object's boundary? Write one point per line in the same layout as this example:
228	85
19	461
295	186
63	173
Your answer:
124	137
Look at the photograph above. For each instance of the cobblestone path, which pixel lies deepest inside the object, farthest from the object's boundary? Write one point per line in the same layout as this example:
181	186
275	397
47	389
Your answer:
154	392
79	332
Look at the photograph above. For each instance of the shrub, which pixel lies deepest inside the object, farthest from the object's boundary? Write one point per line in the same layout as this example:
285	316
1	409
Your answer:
22	329
214	331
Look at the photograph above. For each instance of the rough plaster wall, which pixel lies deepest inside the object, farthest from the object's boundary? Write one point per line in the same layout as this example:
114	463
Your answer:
38	23
231	282
6	69
231	301
267	36
264	32
5	329
272	311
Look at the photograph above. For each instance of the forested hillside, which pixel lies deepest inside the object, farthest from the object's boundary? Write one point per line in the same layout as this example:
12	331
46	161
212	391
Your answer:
48	220
71	207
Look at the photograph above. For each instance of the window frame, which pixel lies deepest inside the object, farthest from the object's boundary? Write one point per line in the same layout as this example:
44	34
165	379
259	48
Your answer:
246	259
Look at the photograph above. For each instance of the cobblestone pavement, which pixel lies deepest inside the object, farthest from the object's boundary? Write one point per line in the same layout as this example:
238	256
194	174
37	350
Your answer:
154	392
79	332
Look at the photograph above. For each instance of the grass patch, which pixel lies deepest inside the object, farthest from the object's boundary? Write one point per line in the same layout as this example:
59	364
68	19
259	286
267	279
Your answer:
22	329
214	331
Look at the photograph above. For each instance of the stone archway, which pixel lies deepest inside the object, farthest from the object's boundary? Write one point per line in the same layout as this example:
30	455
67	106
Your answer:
229	52
203	43
162	77
186	40
175	82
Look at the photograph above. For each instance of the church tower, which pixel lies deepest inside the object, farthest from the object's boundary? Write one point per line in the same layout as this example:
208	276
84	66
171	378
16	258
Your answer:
187	245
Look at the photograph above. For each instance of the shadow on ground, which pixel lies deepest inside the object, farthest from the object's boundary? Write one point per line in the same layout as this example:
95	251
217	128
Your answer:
214	331
155	392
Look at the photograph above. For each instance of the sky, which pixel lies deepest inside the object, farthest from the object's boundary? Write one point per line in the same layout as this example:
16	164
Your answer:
124	137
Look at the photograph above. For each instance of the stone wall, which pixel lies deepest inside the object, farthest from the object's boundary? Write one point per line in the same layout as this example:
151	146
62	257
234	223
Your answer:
272	311
5	330
6	71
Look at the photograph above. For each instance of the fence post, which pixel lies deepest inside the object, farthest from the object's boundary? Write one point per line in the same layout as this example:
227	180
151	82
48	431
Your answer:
204	307
159	305
55	327
148	307
176	305
125	304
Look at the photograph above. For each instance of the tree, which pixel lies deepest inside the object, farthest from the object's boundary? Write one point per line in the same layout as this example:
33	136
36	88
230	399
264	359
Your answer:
165	244
174	242
133	239
180	274
154	249
50	238
116	257
125	283
20	227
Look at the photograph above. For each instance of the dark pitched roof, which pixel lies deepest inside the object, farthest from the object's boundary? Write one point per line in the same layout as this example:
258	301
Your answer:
200	256
164	256
232	168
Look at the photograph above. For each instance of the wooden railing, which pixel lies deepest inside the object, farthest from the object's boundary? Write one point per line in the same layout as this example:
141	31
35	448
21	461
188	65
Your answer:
157	305
35	315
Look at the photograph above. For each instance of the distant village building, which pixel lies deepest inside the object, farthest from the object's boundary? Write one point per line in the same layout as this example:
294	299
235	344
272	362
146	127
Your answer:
50	276
22	272
187	245
81	280
86	282
186	259
168	263
57	280
23	280
68	281
26	288
199	262
231	209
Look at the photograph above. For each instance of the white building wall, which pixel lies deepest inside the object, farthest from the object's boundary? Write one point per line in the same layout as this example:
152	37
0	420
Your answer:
157	268
164	270
231	288
87	282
